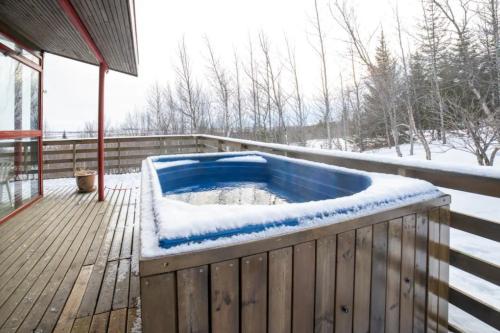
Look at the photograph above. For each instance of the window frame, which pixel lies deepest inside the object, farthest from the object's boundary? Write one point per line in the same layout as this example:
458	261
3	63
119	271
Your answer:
20	134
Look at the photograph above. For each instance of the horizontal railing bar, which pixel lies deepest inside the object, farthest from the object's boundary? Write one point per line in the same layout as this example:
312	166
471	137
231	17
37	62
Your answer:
454	329
474	307
51	142
475	266
475	225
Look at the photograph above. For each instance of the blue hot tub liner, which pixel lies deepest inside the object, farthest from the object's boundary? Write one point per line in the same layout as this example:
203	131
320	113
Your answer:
309	188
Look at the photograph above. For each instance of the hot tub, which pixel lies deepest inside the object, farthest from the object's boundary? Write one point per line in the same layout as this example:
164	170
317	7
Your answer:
242	220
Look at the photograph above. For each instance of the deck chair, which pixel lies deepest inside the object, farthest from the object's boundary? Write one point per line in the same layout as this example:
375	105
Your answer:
5	175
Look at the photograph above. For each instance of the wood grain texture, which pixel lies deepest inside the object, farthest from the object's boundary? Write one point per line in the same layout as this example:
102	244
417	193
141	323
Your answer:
444	260
345	281
362	282
379	278
304	260
225	301
392	305
193	299
420	299
254	293
159	308
407	273
433	271
324	319
280	290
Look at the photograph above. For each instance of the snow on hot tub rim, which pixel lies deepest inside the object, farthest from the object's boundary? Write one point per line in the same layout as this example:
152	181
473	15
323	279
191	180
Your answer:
163	218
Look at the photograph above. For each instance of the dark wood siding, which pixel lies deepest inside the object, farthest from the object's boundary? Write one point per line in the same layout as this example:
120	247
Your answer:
368	278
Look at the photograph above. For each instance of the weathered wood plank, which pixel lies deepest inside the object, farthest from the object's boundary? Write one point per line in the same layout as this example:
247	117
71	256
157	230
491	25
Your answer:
92	293
254	293
379	278
345	281
121	294
133	320
68	315
118	321
433	271
193	299
420	298
407	273
105	300
304	262
225	300
362	281
34	278
392	304
134	263
326	249
159	303
280	290
49	306
114	252
99	323
444	260
81	325
102	240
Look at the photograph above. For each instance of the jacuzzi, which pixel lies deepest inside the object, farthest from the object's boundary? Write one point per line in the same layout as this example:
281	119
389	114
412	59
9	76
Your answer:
203	215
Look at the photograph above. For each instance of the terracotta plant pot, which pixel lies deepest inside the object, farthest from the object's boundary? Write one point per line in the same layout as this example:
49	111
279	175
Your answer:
85	180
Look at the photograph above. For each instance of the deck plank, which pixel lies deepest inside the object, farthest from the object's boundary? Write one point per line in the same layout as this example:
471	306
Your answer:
48	282
45	282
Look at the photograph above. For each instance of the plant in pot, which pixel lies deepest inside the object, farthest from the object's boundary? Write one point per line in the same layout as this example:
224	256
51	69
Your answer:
85	180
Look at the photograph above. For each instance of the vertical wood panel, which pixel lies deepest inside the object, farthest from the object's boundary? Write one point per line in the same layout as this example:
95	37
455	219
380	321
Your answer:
379	278
254	293
304	259
433	270
345	281
419	312
393	276
225	304
363	271
159	303
325	284
280	290
192	295
444	259
407	273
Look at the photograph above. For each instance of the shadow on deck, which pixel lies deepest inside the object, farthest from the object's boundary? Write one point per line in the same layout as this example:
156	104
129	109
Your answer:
70	264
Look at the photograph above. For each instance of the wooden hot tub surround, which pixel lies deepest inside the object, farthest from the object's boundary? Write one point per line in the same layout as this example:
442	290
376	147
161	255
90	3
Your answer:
386	272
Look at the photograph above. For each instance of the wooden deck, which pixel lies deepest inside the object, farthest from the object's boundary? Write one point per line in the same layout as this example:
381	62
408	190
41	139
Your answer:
70	264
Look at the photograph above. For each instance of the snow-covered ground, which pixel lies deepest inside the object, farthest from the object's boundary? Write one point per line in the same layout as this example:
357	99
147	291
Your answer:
472	204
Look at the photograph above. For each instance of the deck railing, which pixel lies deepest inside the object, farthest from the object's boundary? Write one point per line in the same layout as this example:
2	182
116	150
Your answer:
124	154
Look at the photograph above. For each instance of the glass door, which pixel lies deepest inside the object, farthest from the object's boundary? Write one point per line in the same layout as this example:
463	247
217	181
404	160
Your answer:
20	128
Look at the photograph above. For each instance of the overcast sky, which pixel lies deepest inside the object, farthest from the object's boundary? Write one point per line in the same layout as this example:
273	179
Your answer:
71	87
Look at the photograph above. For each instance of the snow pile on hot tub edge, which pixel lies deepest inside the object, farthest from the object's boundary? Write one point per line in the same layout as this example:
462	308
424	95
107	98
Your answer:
164	218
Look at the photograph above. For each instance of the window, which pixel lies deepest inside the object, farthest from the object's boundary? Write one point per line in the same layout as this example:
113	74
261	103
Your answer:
20	128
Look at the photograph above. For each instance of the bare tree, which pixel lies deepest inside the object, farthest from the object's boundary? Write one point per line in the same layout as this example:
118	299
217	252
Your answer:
407	93
325	92
299	110
220	83
382	73
238	93
274	91
188	90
